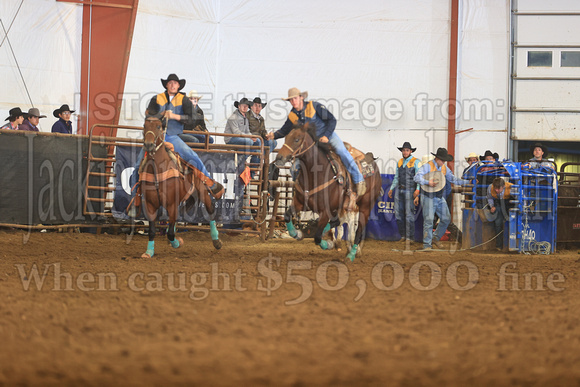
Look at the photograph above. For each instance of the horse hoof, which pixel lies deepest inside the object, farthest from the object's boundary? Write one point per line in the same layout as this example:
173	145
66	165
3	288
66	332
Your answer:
330	245
145	255
217	244
180	240
299	235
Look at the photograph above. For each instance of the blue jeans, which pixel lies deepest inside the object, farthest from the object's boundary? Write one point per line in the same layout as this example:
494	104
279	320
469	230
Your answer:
404	213
197	138
346	158
432	206
180	147
249	142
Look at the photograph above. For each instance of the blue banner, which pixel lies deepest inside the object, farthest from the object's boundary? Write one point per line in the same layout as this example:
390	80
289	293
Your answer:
221	166
383	224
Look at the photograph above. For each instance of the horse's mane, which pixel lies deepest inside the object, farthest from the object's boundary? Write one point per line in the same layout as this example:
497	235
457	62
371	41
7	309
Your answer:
311	130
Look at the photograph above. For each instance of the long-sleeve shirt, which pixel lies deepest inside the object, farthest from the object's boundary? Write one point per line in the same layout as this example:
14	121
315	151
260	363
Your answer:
62	126
395	183
312	112
503	194
27	126
237	124
426	168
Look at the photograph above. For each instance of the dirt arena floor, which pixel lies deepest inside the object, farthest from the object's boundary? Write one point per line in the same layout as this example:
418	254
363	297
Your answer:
82	309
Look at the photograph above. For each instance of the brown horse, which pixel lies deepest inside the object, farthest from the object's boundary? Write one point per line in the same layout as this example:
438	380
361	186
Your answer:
318	188
163	185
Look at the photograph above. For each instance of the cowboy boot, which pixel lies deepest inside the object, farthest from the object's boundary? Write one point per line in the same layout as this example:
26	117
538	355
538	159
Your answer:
215	189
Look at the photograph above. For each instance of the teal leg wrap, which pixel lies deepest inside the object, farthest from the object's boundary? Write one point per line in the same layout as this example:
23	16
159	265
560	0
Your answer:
326	228
215	235
352	253
324	245
291	229
150	248
174	243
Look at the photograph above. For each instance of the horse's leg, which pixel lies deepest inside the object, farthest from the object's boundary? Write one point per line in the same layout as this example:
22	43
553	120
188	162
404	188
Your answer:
294	208
363	217
172	207
336	233
209	205
323	227
151	244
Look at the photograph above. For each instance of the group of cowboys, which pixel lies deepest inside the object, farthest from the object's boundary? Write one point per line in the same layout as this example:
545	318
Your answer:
429	182
19	120
414	180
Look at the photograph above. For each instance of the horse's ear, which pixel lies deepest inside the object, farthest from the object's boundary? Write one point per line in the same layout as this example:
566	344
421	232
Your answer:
304	127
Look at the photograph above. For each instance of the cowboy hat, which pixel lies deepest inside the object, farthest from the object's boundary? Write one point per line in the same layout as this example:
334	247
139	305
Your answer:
173	77
438	177
15	112
539	145
294	92
259	100
194	94
425	159
489	153
407	145
472	154
34	112
63	108
243	101
442	154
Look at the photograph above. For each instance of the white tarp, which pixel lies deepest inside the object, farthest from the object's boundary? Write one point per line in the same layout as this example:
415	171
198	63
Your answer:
380	66
40	62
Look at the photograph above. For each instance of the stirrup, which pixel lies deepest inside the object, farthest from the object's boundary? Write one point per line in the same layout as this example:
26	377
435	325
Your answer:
216	190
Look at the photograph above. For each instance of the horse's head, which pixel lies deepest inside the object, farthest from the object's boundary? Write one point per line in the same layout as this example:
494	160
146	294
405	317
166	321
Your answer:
152	133
296	143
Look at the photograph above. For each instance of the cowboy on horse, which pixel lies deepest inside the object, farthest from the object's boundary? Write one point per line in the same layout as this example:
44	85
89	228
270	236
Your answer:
315	113
177	110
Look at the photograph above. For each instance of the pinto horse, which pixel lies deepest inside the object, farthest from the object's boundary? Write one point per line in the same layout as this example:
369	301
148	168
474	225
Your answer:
318	189
163	185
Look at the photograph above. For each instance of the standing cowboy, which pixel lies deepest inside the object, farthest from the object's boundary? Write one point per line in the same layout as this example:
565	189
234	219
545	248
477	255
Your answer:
313	112
176	109
432	200
407	190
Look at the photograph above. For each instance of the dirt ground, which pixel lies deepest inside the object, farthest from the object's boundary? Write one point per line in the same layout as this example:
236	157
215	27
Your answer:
81	309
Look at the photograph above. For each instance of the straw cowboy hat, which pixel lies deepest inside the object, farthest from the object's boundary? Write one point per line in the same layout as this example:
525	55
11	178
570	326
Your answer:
173	77
438	177
34	112
407	145
443	154
194	94
15	112
539	145
243	101
425	159
294	92
259	100
63	108
472	154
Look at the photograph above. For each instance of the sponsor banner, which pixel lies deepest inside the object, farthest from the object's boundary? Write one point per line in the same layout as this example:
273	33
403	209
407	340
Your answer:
383	224
43	179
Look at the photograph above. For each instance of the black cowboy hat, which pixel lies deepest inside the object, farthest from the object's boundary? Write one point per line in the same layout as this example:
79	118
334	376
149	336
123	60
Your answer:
443	154
539	144
63	108
489	153
407	145
243	101
173	77
15	112
259	100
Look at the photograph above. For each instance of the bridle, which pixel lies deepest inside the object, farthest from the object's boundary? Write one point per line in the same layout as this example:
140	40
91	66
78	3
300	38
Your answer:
297	152
157	134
